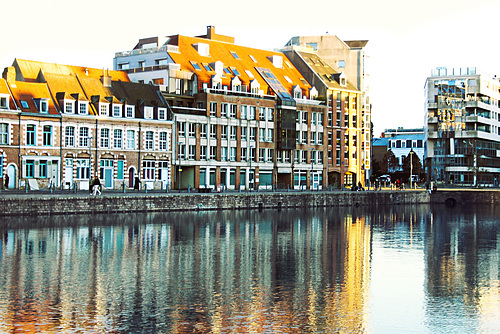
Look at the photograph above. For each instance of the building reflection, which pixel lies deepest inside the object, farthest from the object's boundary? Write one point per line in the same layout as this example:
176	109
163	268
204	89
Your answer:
290	271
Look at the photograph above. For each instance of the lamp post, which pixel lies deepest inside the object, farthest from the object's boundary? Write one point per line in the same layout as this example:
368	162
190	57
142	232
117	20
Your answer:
90	161
250	175
411	168
312	168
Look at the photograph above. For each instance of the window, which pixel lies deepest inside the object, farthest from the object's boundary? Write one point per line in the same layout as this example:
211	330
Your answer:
223	153
69	138
320	138
30	168
181	129
149	140
270	114
30	134
203	153
83	108
203	130
251	114
243	133
243	112
262	154
148	168
304	117
262	114
84	137
103	108
232	110
4	133
196	66
117	111
223	132
105	138
232	154
304	137
163	141
213	131
346	102
313	138
129	111
270	154
262	134
213	108
118	138
207	67
162	114
408	143
235	71
223	112
130	139
42	168
235	55
4	102
44	106
252	133
232	132
192	130
243	153
68	106
82	169
24	104
213	152
191	152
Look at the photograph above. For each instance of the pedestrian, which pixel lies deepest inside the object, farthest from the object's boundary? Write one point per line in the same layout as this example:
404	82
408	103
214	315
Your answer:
97	186
397	183
6	181
137	183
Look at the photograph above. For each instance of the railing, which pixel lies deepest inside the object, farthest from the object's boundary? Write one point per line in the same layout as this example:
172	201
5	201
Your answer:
238	93
165	48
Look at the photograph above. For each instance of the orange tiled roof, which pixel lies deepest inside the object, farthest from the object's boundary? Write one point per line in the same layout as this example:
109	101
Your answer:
221	51
30	70
29	92
4	89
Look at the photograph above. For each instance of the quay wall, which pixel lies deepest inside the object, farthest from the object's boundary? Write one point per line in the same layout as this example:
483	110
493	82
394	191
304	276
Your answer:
109	203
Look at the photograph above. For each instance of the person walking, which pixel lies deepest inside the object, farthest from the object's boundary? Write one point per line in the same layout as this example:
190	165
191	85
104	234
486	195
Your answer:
137	183
97	186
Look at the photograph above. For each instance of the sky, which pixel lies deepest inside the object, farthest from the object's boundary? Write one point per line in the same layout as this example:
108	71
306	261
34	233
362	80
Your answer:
406	39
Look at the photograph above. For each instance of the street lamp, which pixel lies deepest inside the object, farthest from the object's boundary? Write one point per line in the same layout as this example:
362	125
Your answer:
312	168
90	160
411	168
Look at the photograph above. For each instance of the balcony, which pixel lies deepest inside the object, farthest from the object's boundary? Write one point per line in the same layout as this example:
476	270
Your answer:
164	48
238	93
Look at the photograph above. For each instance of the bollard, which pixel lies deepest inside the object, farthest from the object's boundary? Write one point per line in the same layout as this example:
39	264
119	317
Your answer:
145	187
26	187
123	186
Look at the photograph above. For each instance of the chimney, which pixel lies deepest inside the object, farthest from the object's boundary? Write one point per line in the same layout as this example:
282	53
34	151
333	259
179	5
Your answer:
210	32
9	74
106	79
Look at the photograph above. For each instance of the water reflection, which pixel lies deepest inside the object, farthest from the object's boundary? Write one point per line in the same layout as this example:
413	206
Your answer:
412	268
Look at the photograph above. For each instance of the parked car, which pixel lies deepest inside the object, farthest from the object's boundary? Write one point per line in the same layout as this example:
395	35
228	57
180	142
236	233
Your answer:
385	178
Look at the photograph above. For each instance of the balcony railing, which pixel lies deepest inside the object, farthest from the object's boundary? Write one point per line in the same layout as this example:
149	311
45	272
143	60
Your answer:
238	93
164	48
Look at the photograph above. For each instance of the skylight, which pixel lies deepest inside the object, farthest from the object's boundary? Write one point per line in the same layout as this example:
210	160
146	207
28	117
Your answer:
253	58
235	55
24	104
196	66
207	67
235	71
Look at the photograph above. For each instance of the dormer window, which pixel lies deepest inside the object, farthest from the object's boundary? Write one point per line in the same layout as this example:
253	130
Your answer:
83	108
313	93
203	49
117	110
129	111
69	107
216	82
43	105
162	113
277	61
297	92
4	102
254	87
236	84
148	112
103	109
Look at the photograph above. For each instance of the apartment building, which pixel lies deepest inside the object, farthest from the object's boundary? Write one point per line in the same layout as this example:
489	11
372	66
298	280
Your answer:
352	60
463	127
74	123
343	135
244	117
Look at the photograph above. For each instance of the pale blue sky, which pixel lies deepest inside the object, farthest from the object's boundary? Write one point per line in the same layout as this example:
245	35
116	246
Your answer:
407	39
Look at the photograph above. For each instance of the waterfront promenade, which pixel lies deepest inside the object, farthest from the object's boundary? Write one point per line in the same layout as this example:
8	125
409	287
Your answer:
44	202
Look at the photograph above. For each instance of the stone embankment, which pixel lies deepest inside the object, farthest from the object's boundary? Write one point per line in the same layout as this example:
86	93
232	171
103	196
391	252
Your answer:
50	204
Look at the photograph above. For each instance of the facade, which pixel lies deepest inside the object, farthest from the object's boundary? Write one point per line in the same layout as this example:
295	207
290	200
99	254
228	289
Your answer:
351	59
462	127
70	124
245	118
344	125
403	141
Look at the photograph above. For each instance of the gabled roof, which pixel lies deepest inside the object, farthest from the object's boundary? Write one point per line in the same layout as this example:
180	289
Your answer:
238	57
31	92
137	94
96	92
64	87
328	75
28	70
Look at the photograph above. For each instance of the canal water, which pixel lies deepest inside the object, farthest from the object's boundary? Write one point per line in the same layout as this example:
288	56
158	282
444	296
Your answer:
400	269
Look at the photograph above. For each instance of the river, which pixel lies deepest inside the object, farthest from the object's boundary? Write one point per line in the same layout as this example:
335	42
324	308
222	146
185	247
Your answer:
396	269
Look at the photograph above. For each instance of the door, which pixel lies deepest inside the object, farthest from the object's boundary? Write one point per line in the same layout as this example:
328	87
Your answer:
131	177
11	172
108	177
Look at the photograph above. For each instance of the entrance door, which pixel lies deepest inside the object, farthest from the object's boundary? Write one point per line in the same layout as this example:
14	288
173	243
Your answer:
108	177
131	177
68	174
11	172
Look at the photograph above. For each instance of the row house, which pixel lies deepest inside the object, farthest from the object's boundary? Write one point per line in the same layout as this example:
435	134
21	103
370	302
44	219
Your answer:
237	112
74	123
